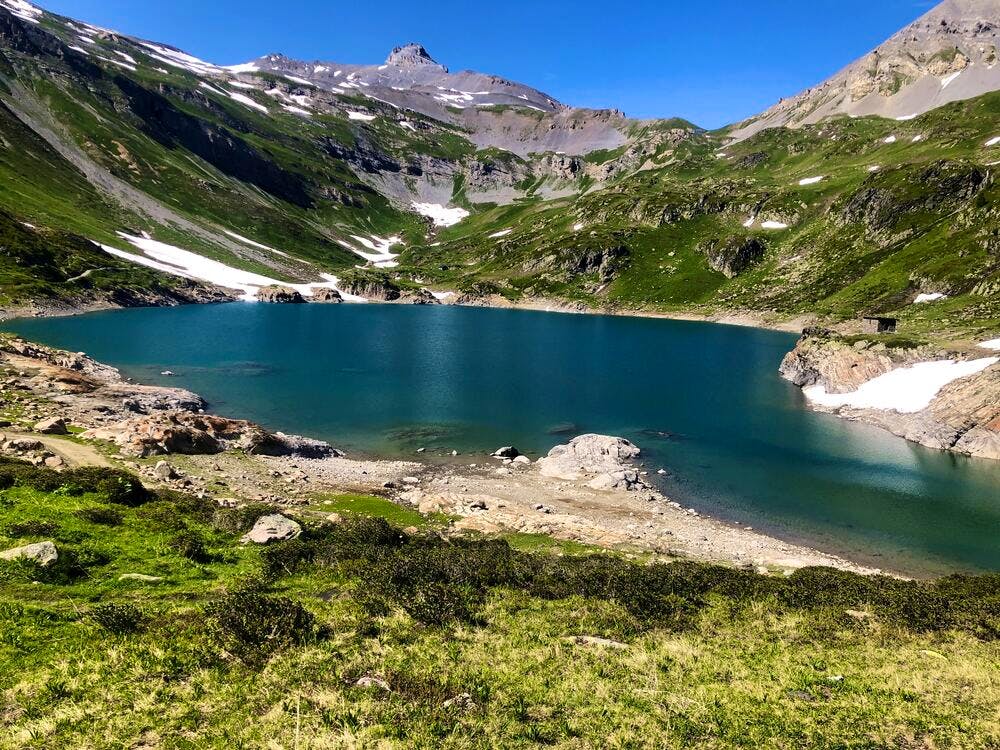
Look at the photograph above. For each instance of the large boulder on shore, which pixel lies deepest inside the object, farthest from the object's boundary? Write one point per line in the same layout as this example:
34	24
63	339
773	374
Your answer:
588	455
188	433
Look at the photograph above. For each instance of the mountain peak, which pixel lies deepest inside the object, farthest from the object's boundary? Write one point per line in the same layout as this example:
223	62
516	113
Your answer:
410	54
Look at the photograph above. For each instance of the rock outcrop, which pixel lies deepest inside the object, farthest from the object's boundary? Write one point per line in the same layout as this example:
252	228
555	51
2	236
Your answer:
326	295
963	417
281	295
734	255
199	434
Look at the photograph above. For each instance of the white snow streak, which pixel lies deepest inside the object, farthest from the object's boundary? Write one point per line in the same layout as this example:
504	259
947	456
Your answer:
931	297
810	180
177	262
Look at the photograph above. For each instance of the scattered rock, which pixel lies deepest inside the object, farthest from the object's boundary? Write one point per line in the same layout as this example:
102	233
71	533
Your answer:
164	471
372	682
590	640
43	553
462	701
139	578
52	426
273	528
54	462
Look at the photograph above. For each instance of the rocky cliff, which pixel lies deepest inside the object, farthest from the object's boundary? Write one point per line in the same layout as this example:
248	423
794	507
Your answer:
964	415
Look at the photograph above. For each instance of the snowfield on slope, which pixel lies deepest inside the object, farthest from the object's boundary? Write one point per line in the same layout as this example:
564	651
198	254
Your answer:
440	215
906	390
178	262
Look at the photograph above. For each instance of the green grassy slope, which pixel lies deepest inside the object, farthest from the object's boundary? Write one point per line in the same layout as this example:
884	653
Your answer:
466	643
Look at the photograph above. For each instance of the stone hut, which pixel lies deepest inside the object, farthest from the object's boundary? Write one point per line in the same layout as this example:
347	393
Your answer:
879	325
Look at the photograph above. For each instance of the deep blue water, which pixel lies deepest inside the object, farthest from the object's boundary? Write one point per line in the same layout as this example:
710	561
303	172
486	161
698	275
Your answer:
703	401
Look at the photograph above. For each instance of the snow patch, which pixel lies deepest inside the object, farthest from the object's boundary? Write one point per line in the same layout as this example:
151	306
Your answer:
993	141
360	116
441	216
179	59
381	247
578	226
247	101
890	139
24	10
906	390
906	118
917	139
992	344
874	168
501	233
178	262
773	225
811	180
931	297
244	68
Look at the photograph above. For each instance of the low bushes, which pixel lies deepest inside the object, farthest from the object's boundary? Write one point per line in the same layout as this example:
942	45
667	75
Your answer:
437	581
114	486
118	619
252	626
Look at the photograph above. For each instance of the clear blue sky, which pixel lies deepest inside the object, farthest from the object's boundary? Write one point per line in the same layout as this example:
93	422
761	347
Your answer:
713	62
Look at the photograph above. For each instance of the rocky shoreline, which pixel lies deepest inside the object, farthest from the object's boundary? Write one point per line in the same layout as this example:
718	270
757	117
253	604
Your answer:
963	416
590	491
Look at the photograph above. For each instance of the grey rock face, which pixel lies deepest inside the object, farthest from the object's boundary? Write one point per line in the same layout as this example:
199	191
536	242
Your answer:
273	528
43	553
947	55
734	255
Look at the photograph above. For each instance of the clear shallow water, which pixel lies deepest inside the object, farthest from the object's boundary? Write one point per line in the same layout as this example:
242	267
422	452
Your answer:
703	401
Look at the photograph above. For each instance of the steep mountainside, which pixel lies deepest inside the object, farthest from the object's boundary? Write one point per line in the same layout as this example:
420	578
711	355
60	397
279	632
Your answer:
947	55
404	181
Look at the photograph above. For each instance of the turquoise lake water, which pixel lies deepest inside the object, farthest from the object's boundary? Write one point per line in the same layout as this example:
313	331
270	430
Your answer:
703	401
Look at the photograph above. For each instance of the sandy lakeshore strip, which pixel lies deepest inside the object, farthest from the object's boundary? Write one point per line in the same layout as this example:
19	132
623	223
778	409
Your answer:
481	493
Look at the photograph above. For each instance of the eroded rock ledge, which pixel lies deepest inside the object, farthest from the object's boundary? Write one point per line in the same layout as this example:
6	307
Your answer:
963	417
